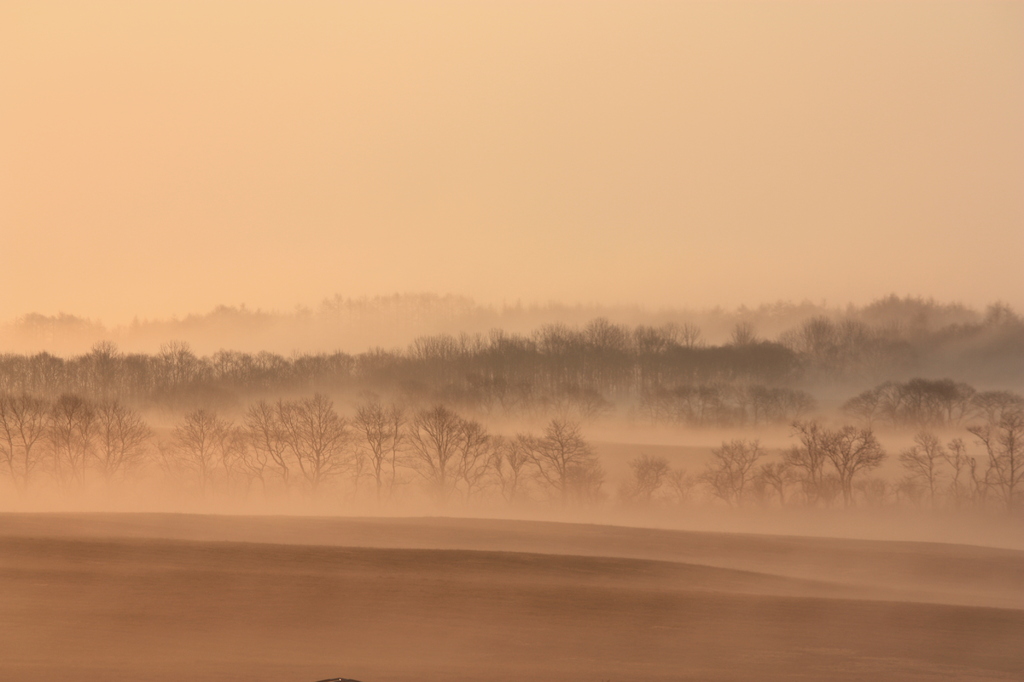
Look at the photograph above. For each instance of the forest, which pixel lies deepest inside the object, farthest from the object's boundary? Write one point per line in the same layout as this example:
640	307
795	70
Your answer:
432	422
665	372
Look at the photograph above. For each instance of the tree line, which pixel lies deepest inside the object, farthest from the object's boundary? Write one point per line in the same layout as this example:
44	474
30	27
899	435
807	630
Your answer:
929	403
69	438
587	369
661	375
307	446
563	370
831	466
302	445
888	337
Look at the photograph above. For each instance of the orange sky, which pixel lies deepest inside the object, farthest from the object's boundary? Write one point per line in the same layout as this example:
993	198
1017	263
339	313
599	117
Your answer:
162	158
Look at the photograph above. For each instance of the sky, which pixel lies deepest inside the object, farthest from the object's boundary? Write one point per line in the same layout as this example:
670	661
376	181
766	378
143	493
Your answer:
162	158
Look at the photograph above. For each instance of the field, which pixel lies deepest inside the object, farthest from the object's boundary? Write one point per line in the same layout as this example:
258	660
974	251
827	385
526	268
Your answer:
179	597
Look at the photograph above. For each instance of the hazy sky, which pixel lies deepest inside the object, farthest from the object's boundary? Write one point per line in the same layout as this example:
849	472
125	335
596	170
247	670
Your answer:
162	158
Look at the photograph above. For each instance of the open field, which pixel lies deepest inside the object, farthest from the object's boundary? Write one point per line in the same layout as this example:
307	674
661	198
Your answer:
175	597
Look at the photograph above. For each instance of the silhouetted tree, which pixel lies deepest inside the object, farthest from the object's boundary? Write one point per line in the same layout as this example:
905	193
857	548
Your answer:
121	440
199	441
1004	443
731	470
317	437
564	462
475	457
689	335
852	451
71	425
435	439
776	476
381	433
268	439
990	406
509	461
809	460
865	407
647	475
923	460
960	485
22	427
680	484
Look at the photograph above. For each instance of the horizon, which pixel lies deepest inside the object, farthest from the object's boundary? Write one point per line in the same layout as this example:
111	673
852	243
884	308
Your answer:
324	303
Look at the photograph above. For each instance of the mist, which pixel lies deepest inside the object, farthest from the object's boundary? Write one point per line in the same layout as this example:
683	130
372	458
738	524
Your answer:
548	340
896	419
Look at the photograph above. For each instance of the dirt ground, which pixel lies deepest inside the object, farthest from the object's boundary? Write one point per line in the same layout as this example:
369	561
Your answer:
179	597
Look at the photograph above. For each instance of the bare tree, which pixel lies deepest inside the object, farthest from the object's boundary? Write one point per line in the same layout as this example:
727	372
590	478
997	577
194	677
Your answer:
852	451
731	470
435	438
865	407
121	440
981	482
243	464
509	461
381	433
1004	443
70	429
647	475
564	461
474	466
680	485
809	460
317	437
268	440
960	486
102	360
22	426
891	400
398	418
199	443
689	336
922	462
178	364
992	405
776	476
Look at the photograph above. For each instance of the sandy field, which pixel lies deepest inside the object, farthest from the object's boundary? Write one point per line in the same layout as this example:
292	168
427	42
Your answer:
105	597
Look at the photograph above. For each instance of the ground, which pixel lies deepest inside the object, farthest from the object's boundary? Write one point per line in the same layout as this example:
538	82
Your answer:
176	597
